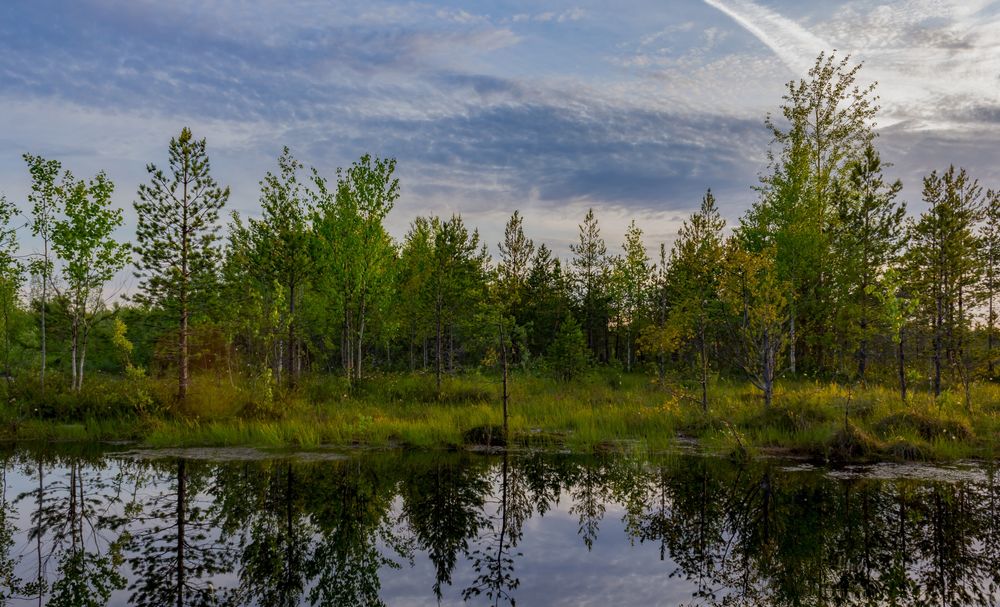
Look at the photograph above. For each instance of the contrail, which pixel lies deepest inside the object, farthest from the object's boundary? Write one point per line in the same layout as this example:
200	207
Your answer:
796	46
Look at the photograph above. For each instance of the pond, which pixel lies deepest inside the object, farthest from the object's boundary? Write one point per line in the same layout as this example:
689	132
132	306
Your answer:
239	527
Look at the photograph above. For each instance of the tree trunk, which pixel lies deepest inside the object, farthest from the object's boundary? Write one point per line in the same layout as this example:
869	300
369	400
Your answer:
83	357
439	349
902	367
791	337
290	354
182	362
361	337
767	370
72	354
503	356
938	322
990	328
703	355
182	342
45	296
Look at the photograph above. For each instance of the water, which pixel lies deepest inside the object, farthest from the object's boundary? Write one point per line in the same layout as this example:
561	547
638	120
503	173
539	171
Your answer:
369	528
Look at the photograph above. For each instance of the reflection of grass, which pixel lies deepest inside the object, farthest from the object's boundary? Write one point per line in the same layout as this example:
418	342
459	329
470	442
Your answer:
600	412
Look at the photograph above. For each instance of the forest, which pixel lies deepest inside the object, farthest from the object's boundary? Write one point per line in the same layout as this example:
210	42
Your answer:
831	316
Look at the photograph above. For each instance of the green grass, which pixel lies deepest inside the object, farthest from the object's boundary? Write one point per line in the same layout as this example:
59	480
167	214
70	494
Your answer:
606	410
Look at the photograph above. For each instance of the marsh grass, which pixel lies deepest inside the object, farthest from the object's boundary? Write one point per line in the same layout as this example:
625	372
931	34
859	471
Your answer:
601	412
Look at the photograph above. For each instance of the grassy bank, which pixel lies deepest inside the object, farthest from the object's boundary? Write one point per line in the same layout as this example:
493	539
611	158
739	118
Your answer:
607	411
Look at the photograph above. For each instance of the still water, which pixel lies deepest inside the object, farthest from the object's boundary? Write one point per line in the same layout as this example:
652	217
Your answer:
236	527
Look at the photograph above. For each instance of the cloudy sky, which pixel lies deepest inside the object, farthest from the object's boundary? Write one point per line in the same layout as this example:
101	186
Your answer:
632	107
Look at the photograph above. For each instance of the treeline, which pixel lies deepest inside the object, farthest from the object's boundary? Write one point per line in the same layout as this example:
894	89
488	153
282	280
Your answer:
826	275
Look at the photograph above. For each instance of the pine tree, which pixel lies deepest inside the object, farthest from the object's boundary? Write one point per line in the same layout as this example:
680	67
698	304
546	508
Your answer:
990	260
696	263
866	243
516	252
631	277
176	236
590	277
943	264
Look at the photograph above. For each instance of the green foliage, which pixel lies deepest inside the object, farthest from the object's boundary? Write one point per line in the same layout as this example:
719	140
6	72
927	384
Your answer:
568	356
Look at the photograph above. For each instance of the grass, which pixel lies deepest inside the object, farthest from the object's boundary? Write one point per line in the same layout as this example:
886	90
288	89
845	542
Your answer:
606	410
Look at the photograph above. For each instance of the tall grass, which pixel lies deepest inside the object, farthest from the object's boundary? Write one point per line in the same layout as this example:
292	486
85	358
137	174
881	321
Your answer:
606	410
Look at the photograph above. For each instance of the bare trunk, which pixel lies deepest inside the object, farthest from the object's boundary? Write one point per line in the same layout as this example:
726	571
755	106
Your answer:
361	337
182	362
83	358
703	354
938	322
45	297
503	356
72	354
439	349
902	367
791	337
290	354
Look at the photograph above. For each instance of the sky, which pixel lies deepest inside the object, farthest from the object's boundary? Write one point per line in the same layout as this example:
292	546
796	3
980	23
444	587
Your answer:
633	107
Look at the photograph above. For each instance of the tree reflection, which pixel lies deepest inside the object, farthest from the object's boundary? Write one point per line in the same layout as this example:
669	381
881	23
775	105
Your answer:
173	552
443	501
329	533
73	515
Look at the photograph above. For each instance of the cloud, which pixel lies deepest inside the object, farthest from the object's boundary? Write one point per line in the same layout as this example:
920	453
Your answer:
937	62
487	108
569	15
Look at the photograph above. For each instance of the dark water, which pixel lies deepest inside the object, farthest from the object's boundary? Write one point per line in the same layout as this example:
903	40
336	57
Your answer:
226	528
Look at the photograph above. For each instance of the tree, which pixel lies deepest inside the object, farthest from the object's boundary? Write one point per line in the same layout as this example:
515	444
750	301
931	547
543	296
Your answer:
942	262
827	122
590	278
356	252
696	263
445	287
44	206
990	260
632	277
513	272
457	283
756	307
280	250
176	238
661	336
866	242
516	252
91	257
11	278
568	354
546	302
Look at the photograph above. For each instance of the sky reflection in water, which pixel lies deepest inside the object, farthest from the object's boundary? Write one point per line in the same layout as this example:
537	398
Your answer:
423	528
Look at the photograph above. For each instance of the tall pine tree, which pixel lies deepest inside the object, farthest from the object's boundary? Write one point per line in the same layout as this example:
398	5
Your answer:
176	234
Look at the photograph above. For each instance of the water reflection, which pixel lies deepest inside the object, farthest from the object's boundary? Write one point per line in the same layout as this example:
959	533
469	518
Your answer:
389	529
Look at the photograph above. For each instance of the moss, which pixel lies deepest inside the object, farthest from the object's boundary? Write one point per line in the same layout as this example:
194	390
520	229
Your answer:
927	427
851	444
906	450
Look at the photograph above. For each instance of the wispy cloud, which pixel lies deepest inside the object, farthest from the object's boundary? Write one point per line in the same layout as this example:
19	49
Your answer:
635	108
